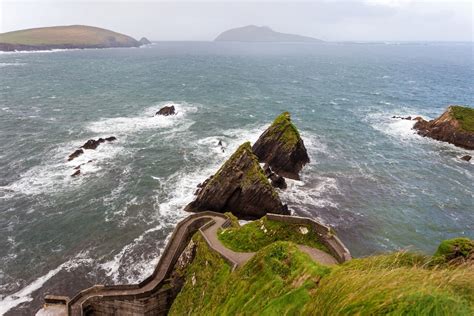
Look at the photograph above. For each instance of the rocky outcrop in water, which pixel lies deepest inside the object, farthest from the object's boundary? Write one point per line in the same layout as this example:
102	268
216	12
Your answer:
90	144
282	148
455	126
166	110
75	154
466	157
144	41
241	187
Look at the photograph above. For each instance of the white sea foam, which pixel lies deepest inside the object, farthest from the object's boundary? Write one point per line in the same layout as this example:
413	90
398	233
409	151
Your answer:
54	174
24	295
11	64
397	128
303	193
146	120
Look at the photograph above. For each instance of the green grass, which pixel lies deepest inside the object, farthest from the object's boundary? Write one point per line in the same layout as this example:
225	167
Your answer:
253	175
278	280
454	248
395	284
465	116
64	35
283	130
282	280
260	233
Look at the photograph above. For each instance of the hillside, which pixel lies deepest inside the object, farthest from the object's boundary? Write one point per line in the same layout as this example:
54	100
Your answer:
252	33
282	280
61	37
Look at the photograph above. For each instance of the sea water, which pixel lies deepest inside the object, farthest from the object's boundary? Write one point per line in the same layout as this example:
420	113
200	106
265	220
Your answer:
379	184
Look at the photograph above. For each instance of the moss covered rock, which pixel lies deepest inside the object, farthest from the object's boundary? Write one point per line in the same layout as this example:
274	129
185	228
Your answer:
282	148
241	187
455	126
457	249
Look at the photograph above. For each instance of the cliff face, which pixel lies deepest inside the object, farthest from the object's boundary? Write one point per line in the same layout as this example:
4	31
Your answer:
455	126
282	148
241	187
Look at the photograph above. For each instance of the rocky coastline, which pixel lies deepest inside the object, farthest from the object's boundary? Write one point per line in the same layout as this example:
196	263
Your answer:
455	126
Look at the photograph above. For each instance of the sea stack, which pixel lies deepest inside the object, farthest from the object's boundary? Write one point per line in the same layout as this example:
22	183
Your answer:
282	148
455	126
166	111
241	187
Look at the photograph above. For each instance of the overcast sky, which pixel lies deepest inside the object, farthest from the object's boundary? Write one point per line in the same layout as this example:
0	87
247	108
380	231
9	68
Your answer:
332	20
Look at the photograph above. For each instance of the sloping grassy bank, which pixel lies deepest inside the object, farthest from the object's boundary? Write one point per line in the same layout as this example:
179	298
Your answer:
281	280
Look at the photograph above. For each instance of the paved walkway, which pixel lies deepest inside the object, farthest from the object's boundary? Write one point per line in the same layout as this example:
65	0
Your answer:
240	258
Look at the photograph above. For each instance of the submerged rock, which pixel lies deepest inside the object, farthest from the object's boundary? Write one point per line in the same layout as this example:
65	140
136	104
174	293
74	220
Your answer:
76	173
240	186
466	158
282	148
167	110
455	126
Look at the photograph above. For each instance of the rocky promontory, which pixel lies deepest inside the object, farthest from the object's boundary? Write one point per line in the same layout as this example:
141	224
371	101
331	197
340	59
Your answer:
282	148
455	126
241	187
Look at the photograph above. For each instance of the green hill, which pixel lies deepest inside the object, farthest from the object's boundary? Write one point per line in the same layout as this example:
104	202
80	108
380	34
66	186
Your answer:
57	37
282	280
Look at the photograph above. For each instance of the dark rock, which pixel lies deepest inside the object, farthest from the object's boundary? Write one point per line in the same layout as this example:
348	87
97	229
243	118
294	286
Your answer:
167	110
282	148
240	186
447	128
75	154
466	157
75	174
219	143
92	143
418	118
407	118
276	180
144	41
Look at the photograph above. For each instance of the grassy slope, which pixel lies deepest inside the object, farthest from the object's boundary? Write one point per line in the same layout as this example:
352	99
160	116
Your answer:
258	234
281	280
60	35
284	130
465	116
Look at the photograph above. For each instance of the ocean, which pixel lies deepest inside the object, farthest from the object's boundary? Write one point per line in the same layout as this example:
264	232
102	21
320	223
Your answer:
381	186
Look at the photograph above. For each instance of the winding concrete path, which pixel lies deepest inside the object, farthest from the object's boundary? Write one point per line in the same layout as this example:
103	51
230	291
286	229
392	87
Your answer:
168	259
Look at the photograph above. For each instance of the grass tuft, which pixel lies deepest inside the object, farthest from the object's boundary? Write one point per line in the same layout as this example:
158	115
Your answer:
465	116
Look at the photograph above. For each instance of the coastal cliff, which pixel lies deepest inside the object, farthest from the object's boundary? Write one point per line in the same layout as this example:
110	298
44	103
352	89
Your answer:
455	126
65	37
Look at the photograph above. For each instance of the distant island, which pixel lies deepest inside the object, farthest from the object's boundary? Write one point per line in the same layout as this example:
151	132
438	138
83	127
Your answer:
253	33
65	37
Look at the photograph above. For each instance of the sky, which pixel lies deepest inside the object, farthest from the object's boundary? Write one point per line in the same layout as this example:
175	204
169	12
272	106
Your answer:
183	20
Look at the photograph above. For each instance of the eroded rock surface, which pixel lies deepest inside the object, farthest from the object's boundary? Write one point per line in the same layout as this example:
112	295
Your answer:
240	186
455	126
282	148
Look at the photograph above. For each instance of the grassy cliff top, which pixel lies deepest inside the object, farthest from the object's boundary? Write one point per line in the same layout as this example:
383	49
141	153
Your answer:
65	35
258	234
282	280
284	130
465	116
